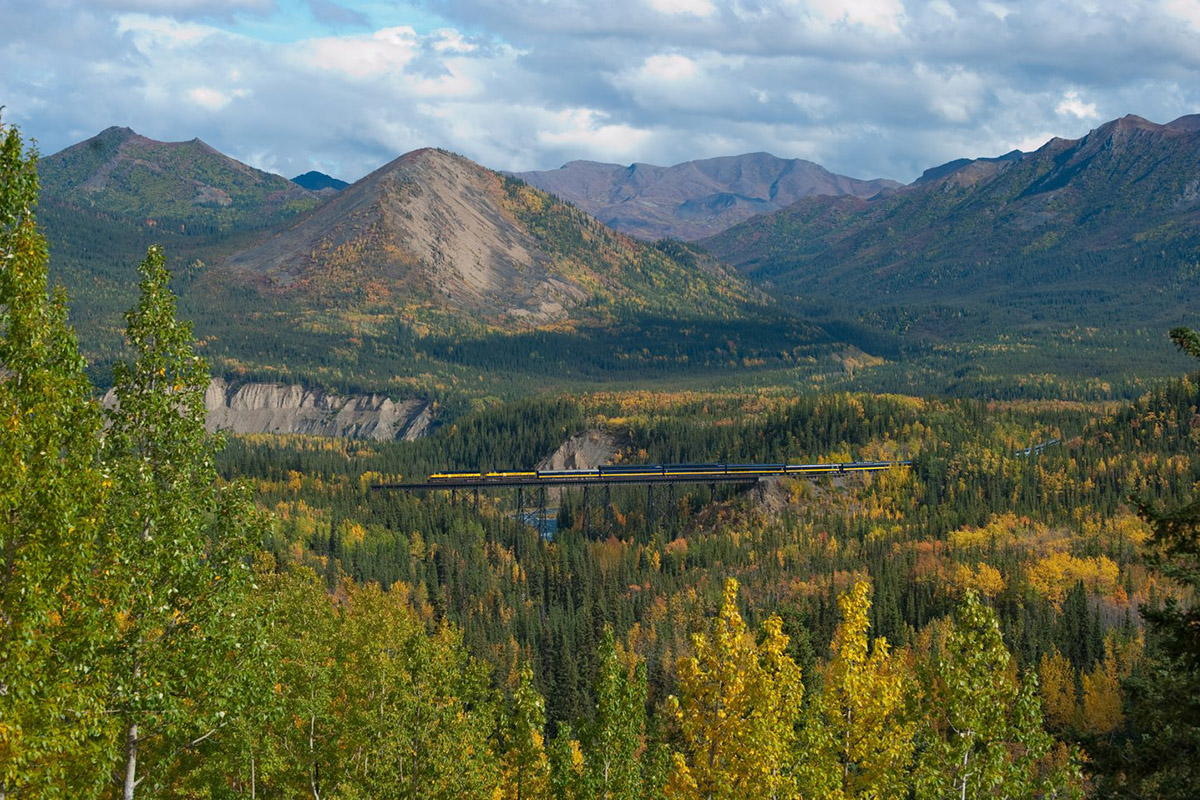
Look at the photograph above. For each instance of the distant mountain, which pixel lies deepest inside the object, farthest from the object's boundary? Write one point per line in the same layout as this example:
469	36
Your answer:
438	234
694	199
177	185
1098	231
318	181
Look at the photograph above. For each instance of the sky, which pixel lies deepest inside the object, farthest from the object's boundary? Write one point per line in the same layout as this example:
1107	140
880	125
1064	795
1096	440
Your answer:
866	88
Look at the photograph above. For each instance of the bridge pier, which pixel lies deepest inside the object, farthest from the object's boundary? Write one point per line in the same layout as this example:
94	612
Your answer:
541	526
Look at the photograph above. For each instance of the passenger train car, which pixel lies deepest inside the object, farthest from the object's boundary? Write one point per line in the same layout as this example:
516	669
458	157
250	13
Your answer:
618	471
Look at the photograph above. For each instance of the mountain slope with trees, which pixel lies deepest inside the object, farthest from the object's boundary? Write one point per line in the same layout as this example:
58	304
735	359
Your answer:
1098	229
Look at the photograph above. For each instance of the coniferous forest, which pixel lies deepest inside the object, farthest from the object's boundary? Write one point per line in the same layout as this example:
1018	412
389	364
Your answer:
183	616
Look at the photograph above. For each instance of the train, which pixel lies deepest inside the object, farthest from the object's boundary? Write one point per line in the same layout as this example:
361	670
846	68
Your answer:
669	470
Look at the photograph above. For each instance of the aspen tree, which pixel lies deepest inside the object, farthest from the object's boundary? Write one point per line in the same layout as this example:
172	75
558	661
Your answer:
611	761
526	765
986	730
52	731
179	551
865	743
736	711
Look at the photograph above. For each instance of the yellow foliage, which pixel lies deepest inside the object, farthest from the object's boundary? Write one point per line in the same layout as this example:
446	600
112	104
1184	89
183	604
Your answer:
1101	711
736	710
1057	680
984	579
1053	575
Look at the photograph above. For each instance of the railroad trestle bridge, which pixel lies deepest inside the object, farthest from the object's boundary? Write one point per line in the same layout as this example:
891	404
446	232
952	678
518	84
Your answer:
624	475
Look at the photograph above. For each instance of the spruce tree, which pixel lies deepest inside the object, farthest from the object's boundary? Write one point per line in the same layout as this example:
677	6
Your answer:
1161	757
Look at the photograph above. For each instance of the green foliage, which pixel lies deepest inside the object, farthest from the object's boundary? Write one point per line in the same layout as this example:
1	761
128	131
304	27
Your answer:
526	768
178	549
987	736
1160	754
611	759
52	731
182	186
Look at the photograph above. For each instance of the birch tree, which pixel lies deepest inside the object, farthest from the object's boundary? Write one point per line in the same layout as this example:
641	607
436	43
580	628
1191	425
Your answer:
987	731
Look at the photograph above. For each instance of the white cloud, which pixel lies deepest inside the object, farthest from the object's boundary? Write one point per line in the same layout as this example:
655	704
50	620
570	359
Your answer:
192	8
586	130
1032	142
956	95
213	99
1186	10
884	16
996	9
451	41
383	52
696	8
1071	104
866	88
669	68
150	32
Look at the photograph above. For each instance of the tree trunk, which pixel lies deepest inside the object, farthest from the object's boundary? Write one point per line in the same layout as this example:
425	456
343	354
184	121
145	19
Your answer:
131	754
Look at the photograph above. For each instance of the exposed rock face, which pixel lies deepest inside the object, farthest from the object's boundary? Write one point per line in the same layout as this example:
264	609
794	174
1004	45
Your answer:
281	408
431	223
583	451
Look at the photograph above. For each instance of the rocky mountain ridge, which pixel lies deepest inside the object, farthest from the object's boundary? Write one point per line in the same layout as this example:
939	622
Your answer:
438	234
694	199
184	186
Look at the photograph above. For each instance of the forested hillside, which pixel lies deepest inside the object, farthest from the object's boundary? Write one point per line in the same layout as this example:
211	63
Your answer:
1083	251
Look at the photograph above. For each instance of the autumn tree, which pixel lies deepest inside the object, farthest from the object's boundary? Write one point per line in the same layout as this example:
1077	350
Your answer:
52	732
566	765
526	767
986	730
611	767
1056	677
1100	710
179	551
1161	757
417	708
736	710
859	736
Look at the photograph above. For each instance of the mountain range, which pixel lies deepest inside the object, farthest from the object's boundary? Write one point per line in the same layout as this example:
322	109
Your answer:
434	232
694	199
319	182
1069	260
1089	231
427	270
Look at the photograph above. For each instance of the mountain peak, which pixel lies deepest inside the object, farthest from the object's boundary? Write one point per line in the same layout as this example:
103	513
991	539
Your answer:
318	182
1190	122
122	173
445	236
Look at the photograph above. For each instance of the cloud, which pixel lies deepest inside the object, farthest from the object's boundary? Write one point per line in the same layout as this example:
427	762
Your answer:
193	9
865	88
213	99
1071	104
697	8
